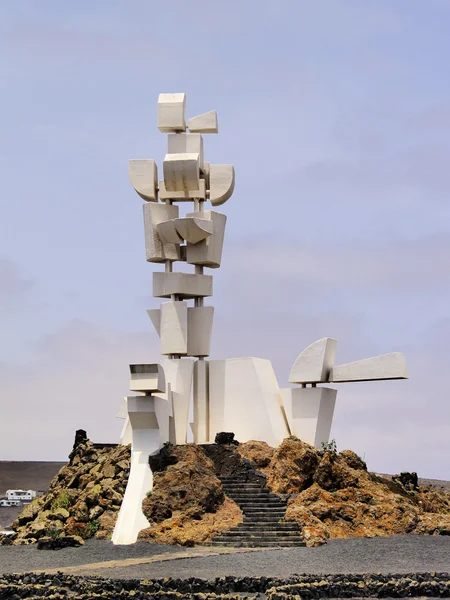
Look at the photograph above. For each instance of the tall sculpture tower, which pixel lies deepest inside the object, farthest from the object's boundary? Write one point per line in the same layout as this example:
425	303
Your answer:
183	322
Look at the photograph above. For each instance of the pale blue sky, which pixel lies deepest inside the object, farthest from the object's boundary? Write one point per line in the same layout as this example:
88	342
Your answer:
336	114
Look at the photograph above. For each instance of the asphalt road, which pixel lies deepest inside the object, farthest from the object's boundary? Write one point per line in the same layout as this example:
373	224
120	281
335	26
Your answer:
397	554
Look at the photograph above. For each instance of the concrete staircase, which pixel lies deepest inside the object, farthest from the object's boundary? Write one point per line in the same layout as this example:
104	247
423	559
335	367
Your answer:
263	524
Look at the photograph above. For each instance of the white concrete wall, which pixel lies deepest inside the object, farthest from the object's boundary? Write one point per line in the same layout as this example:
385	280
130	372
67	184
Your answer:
244	398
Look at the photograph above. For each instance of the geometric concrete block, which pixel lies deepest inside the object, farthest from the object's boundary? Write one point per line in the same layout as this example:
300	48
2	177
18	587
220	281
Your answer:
199	328
182	143
205	123
183	195
164	412
155	317
172	112
173	328
244	397
314	363
143	175
206	170
182	172
168	233
122	413
184	285
221	183
201	402
156	249
386	366
208	252
141	411
179	373
126	435
309	412
193	229
147	378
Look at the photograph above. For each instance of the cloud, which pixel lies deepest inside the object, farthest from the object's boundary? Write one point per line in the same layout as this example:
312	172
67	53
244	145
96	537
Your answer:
77	382
394	266
81	371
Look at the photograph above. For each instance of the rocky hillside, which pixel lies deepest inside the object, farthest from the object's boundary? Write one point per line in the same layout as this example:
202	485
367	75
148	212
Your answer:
83	498
329	494
332	495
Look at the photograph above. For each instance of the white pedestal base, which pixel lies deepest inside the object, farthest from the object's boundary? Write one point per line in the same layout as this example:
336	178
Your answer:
309	412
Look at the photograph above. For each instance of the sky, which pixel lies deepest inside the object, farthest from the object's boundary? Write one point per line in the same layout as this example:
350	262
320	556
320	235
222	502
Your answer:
336	115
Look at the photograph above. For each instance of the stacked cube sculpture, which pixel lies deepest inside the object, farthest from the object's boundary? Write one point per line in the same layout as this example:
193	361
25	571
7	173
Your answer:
237	394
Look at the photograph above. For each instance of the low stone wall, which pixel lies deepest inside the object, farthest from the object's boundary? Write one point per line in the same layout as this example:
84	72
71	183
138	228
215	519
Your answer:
30	585
434	585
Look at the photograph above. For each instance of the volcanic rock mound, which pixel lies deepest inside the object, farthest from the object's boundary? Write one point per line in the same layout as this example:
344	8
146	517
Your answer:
187	504
83	499
334	496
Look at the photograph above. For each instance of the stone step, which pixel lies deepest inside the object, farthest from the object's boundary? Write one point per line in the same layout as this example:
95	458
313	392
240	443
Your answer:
266	526
233	479
265	510
295	535
260	494
262	519
259	497
264	497
268	533
260	540
256	494
243	490
241	482
254	544
265	506
269	506
256	498
249	484
260	501
274	514
257	504
262	508
257	533
246	488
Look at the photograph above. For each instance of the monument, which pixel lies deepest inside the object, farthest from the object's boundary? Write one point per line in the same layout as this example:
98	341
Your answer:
235	394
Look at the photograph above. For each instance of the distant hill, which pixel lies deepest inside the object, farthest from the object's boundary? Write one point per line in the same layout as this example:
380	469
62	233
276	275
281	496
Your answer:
27	475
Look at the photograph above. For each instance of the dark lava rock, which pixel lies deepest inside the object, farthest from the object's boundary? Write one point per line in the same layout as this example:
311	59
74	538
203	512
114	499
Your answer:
67	541
227	460
408	480
80	438
165	458
225	437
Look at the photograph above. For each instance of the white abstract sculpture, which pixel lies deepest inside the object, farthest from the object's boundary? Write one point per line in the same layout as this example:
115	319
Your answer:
236	394
309	410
